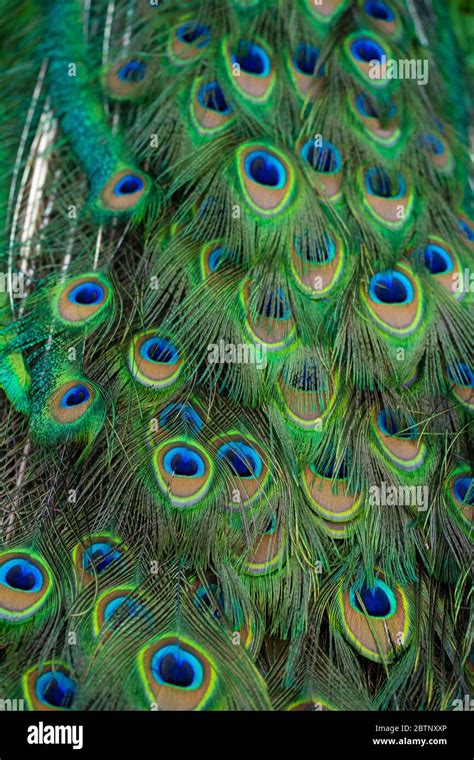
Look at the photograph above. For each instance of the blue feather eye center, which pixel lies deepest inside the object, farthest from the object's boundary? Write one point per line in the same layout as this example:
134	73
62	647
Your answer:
391	287
378	10
184	463
182	414
174	666
55	689
316	251
378	182
252	59
78	394
324	158
122	605
369	109
21	574
133	71
304	378
265	169
129	184
460	374
379	600
211	96
462	489
241	459
366	107
273	305
432	144
217	257
466	229
305	60
204	599
195	34
330	469
391	424
100	556
366	50
159	350
87	294
437	259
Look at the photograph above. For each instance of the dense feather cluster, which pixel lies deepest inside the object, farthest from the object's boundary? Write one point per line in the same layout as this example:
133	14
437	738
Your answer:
236	356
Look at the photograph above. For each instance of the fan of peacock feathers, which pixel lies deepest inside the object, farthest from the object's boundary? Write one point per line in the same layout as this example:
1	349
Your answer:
236	356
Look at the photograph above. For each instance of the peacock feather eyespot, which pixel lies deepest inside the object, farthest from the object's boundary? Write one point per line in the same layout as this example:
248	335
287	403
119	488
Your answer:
188	42
375	619
269	320
211	111
25	584
317	263
267	553
460	489
387	198
183	471
460	374
266	177
97	554
132	71
439	259
325	166
154	360
124	190
466	230
384	17
391	288
464	491
394	300
250	69
379	10
377	601
84	299
327	486
365	49
368	54
307	394
128	79
398	437
306	58
244	465
177	674
116	607
437	151
304	70
460	377
209	599
381	123
242	460
213	256
71	401
50	687
181	415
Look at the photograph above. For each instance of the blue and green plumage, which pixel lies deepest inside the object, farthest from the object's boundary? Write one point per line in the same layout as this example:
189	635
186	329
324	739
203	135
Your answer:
246	318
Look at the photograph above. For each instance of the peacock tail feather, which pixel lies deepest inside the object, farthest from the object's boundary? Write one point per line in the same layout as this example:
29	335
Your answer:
236	355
